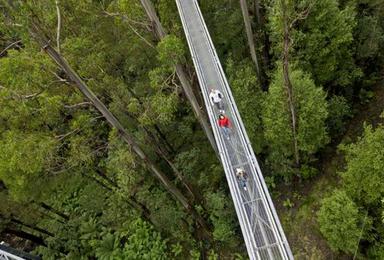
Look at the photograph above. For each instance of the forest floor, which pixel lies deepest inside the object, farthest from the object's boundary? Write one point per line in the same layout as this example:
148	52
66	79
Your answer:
298	207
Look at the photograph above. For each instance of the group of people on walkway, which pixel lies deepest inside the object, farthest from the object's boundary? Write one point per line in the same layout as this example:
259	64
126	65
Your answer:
216	99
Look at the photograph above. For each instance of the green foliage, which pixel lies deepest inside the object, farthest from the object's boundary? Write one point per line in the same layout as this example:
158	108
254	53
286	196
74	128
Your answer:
321	34
247	93
221	216
168	12
195	255
27	94
170	50
228	39
376	251
288	203
323	43
365	164
361	180
164	107
340	112
339	222
25	160
54	148
365	96
143	242
213	255
308	172
177	249
311	111
135	239
163	104
370	37
108	248
163	210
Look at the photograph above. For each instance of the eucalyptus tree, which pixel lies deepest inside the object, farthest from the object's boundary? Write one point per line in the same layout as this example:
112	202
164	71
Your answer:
44	43
250	37
160	33
323	44
79	137
340	220
353	215
311	108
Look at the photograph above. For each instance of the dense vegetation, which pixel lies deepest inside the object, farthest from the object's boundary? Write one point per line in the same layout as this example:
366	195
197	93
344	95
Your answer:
132	174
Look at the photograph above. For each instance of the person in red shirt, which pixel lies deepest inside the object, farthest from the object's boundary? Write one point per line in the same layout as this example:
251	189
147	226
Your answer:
225	125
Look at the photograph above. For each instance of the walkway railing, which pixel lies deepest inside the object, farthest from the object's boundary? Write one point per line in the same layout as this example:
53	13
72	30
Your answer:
260	225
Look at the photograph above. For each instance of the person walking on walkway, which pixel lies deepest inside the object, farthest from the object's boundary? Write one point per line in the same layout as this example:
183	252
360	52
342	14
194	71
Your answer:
225	125
216	98
242	176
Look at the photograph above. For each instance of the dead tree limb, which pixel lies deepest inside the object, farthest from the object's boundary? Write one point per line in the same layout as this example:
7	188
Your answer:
58	25
41	39
160	33
10	46
248	30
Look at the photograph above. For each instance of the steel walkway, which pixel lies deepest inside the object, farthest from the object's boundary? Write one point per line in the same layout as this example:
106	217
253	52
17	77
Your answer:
9	253
261	228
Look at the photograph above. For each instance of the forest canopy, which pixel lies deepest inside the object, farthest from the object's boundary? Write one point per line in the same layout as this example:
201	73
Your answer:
105	147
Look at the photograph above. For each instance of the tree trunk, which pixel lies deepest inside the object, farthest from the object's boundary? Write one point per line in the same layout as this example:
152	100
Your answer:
58	213
287	82
25	235
157	27
162	154
164	138
177	173
145	212
44	213
157	128
37	229
248	30
44	43
257	11
102	184
105	177
132	202
181	73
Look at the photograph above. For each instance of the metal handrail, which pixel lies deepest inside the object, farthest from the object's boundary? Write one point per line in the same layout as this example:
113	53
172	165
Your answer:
272	223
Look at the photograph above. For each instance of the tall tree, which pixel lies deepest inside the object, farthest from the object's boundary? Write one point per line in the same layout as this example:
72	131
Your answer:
310	105
287	81
340	222
44	43
250	37
181	73
323	44
283	17
365	162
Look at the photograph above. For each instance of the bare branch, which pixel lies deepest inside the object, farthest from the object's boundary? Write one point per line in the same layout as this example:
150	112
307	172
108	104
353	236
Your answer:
82	104
303	15
32	95
139	35
145	25
129	21
10	46
58	25
60	79
61	137
16	95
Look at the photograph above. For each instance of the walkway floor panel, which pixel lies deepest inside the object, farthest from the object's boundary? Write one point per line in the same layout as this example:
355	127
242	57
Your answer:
260	225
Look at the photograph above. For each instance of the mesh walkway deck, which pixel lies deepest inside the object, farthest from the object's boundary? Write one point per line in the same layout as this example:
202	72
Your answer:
261	228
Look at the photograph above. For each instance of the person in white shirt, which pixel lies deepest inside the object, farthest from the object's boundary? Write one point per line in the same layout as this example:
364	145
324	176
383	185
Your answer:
216	98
